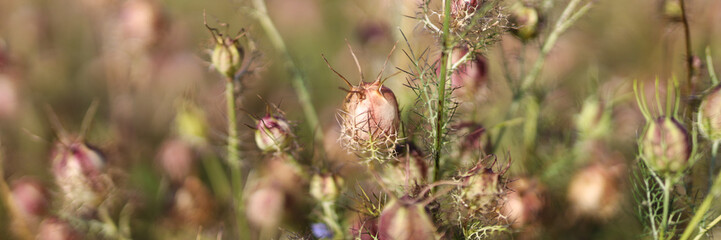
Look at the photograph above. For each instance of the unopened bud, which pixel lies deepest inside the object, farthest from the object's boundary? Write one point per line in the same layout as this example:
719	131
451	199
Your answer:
666	145
31	200
404	219
79	172
325	187
709	115
227	56
593	121
265	207
525	20
272	134
595	192
176	159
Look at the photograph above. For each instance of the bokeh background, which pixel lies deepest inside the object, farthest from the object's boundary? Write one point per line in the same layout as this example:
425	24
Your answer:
146	61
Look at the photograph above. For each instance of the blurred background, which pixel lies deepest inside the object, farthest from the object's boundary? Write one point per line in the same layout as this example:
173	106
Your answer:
146	62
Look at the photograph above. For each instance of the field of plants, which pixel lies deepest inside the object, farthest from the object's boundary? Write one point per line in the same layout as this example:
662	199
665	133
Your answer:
360	119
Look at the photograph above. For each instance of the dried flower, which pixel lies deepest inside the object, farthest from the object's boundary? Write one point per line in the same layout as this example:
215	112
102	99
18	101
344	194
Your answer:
273	133
325	187
404	219
709	115
666	146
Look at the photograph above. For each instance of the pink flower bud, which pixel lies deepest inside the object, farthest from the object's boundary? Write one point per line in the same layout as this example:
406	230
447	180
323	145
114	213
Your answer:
273	134
709	115
176	159
403	219
8	97
31	200
595	192
79	172
666	145
265	207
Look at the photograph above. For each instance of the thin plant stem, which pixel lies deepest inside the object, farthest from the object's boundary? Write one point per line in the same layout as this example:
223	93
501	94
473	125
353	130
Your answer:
298	81
706	204
233	154
666	203
565	21
442	78
711	70
331	218
687	37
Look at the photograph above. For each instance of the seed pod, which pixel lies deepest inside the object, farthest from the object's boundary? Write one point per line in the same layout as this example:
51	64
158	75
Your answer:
227	56
79	172
666	145
709	115
526	21
462	8
404	219
523	202
272	134
411	168
31	200
325	187
370	117
470	80
595	192
481	189
265	207
672	10
57	229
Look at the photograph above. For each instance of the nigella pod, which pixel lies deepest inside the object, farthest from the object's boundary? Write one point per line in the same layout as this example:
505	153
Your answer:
525	19
482	188
369	117
405	219
79	171
325	187
524	202
595	191
709	115
273	133
666	145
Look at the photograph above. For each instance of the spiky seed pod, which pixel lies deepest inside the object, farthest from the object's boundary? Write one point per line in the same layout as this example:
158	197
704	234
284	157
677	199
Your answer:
79	172
470	80
404	219
370	117
265	207
595	192
709	115
666	145
192	203
411	169
273	133
481	188
325	187
524	202
525	19
31	199
57	229
227	56
461	8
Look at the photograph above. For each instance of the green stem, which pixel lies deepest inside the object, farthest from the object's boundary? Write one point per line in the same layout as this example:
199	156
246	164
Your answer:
705	205
331	219
233	154
442	78
299	82
709	64
708	227
565	21
666	203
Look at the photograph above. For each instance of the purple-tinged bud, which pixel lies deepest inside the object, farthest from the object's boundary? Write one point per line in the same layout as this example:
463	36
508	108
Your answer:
325	187
176	159
595	192
31	200
56	229
525	20
265	207
666	145
273	134
709	115
470	78
404	219
79	172
370	117
227	56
